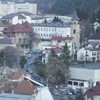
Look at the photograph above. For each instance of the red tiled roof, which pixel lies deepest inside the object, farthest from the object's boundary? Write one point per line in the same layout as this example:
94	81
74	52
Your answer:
93	91
18	74
25	87
6	86
24	27
60	38
58	50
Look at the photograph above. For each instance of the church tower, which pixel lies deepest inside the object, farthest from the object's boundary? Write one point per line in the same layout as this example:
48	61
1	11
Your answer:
75	32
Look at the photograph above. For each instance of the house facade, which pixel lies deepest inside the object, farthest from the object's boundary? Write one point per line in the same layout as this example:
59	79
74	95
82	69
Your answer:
20	35
88	55
84	75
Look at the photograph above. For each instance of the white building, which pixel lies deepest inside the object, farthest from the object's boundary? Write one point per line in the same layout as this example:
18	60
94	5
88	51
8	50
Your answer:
84	76
96	25
44	94
89	53
47	30
11	7
70	28
18	17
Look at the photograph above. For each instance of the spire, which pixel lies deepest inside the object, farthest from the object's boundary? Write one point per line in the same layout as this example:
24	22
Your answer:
75	16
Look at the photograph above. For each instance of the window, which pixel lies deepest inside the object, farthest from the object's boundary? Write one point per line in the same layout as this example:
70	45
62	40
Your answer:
38	29
93	53
98	53
50	35
74	22
75	83
44	35
19	39
26	47
22	46
81	84
24	40
74	31
70	82
75	45
59	41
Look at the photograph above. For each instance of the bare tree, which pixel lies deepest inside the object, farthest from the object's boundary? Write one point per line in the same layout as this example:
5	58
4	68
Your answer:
9	57
57	70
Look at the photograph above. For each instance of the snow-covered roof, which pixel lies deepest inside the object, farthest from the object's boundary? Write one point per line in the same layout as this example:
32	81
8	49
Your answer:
44	94
34	81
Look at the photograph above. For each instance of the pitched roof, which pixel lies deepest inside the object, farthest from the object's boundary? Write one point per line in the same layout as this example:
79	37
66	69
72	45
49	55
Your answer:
24	27
10	16
74	16
5	40
53	24
58	50
25	87
18	74
93	91
34	82
95	37
44	93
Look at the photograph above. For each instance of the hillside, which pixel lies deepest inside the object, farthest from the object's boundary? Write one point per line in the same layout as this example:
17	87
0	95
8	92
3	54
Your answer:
67	6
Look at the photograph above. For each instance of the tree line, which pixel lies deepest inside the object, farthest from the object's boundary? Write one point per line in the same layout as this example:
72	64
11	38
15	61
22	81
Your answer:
84	8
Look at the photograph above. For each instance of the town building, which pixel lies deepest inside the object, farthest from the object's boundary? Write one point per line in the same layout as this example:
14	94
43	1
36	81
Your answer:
57	43
17	17
95	38
12	7
20	84
89	54
21	35
6	42
84	75
93	93
45	31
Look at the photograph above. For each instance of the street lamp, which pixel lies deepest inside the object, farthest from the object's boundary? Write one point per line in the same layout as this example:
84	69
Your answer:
48	79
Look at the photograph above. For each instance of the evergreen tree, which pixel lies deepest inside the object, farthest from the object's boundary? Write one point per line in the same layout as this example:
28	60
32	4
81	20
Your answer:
56	19
23	61
65	56
57	69
45	21
80	95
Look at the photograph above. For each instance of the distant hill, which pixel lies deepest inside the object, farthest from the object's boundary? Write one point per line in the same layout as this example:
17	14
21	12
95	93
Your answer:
84	8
